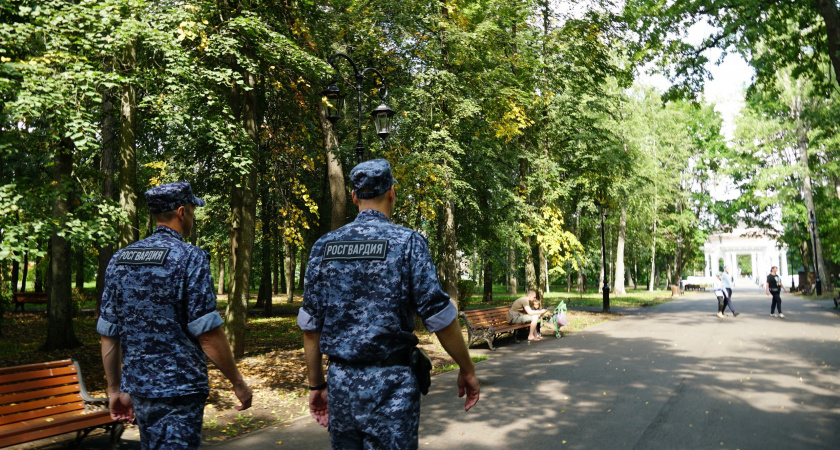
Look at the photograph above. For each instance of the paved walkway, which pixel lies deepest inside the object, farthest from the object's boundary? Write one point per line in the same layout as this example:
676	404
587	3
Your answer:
670	377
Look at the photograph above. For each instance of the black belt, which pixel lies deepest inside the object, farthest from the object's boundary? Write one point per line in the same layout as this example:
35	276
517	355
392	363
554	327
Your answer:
401	358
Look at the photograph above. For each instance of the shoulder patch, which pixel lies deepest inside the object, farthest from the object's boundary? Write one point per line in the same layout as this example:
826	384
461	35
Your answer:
143	256
349	250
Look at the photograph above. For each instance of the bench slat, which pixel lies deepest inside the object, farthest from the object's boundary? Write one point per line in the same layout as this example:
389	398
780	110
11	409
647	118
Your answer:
41	428
35	374
36	366
37	384
37	404
42	412
38	401
43	393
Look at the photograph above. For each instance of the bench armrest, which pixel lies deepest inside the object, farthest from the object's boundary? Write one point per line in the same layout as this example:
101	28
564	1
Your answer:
83	390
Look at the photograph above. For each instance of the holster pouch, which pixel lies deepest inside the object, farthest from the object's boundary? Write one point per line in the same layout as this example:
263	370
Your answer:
421	364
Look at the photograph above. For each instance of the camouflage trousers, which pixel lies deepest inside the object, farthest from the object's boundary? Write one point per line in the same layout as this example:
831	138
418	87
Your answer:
170	422
373	407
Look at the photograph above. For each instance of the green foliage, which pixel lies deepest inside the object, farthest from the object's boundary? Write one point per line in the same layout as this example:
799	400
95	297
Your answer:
465	292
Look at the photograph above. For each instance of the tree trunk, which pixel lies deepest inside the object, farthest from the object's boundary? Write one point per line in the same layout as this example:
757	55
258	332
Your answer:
15	273
450	252
488	280
60	333
618	285
302	273
652	283
108	167
335	174
237	312
264	296
808	195
828	10
530	273
512	287
39	273
130	231
275	256
289	263
543	279
80	268
221	288
25	272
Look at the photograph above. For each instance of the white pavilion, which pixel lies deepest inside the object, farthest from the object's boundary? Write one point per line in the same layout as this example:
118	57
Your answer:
724	248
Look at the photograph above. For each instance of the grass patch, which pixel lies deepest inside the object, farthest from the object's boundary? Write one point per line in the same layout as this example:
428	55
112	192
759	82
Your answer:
592	298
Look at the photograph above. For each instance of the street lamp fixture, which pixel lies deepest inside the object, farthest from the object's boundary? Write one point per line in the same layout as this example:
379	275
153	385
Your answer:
813	223
334	103
602	205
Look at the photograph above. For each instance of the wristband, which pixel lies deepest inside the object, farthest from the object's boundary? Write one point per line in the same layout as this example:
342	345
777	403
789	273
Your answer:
319	387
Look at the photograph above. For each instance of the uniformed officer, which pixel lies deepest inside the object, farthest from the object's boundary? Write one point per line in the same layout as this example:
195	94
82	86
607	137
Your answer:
364	284
158	320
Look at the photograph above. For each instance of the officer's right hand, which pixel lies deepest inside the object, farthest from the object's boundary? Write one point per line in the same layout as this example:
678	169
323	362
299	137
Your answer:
468	383
318	408
244	394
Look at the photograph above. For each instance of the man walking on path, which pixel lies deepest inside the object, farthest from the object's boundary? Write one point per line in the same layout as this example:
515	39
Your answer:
158	324
774	288
365	283
728	283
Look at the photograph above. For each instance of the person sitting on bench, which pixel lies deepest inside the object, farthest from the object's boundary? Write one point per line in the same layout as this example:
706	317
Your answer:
522	312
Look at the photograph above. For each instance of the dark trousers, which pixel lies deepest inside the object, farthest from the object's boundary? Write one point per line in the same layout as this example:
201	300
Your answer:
729	300
721	303
776	302
171	422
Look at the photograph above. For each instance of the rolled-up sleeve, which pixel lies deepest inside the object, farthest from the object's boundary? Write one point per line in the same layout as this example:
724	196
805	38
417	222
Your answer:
201	298
441	320
307	322
205	323
309	318
433	305
108	323
106	328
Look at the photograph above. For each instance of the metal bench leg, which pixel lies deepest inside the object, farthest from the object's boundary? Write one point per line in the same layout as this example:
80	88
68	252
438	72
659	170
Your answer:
489	341
80	436
116	435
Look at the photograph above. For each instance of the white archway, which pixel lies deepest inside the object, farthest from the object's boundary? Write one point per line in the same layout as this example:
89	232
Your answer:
765	252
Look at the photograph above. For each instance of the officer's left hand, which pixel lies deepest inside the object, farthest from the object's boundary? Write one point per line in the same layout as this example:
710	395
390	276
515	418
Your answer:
318	408
468	384
244	394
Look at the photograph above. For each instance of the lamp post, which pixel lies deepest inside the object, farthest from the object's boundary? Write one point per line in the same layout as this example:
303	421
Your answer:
813	222
679	263
602	205
334	103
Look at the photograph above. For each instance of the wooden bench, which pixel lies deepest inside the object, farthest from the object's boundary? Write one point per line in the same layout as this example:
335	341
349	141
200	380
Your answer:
486	324
42	400
20	298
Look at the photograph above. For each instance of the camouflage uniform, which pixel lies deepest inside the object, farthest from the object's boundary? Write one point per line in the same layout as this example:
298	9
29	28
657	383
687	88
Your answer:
158	299
364	284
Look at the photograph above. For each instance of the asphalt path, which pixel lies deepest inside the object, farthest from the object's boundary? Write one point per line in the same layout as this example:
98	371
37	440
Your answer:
674	376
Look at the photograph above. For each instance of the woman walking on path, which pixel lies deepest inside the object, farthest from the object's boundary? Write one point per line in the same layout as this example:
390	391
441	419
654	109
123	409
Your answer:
774	288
